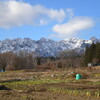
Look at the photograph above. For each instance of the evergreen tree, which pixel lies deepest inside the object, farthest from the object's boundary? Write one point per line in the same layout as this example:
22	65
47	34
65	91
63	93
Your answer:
92	54
86	56
97	51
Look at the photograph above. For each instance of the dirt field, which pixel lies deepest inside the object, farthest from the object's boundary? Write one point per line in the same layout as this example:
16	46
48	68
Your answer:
43	96
50	85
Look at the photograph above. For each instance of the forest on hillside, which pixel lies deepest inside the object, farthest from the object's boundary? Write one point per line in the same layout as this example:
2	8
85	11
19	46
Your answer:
92	55
65	59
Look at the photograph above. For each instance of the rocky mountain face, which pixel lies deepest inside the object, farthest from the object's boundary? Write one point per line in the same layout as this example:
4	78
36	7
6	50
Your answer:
45	47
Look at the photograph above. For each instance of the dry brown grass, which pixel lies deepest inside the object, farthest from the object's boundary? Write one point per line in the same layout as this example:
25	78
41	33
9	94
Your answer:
58	79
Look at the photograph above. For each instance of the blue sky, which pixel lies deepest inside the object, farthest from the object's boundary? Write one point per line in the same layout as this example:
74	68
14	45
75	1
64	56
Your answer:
54	19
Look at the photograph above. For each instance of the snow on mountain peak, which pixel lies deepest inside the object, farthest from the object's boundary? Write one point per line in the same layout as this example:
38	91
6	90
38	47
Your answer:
44	47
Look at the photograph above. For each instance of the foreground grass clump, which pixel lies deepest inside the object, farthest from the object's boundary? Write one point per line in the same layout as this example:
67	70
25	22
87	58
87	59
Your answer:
74	92
97	75
25	84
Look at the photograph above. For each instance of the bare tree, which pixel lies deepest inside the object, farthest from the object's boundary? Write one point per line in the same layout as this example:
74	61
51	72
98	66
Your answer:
68	57
6	59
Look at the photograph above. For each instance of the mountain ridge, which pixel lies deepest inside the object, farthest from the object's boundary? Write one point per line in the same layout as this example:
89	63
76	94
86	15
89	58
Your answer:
45	47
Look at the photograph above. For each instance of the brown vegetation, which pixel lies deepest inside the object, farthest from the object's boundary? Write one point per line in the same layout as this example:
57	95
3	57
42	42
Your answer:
50	85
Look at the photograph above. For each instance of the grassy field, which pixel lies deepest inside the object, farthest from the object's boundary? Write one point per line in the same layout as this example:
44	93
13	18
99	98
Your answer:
50	85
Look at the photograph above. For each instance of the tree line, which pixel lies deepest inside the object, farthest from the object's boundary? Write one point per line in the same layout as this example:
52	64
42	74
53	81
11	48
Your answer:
92	55
25	60
17	61
65	59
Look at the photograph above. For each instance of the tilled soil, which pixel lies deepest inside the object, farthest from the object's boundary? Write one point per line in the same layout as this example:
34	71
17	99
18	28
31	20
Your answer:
42	96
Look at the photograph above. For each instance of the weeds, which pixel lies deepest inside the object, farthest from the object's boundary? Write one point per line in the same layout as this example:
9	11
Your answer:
74	92
51	84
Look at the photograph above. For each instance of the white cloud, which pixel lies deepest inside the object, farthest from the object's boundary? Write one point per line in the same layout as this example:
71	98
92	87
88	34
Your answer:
70	13
15	13
72	27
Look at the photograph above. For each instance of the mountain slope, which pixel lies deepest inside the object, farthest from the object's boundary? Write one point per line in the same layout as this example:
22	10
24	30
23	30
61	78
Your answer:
45	47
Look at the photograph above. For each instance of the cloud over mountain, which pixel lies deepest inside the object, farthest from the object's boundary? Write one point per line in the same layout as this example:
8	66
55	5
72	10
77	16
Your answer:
73	26
17	13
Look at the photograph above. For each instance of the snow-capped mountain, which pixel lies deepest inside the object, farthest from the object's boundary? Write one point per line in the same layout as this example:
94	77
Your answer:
45	47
